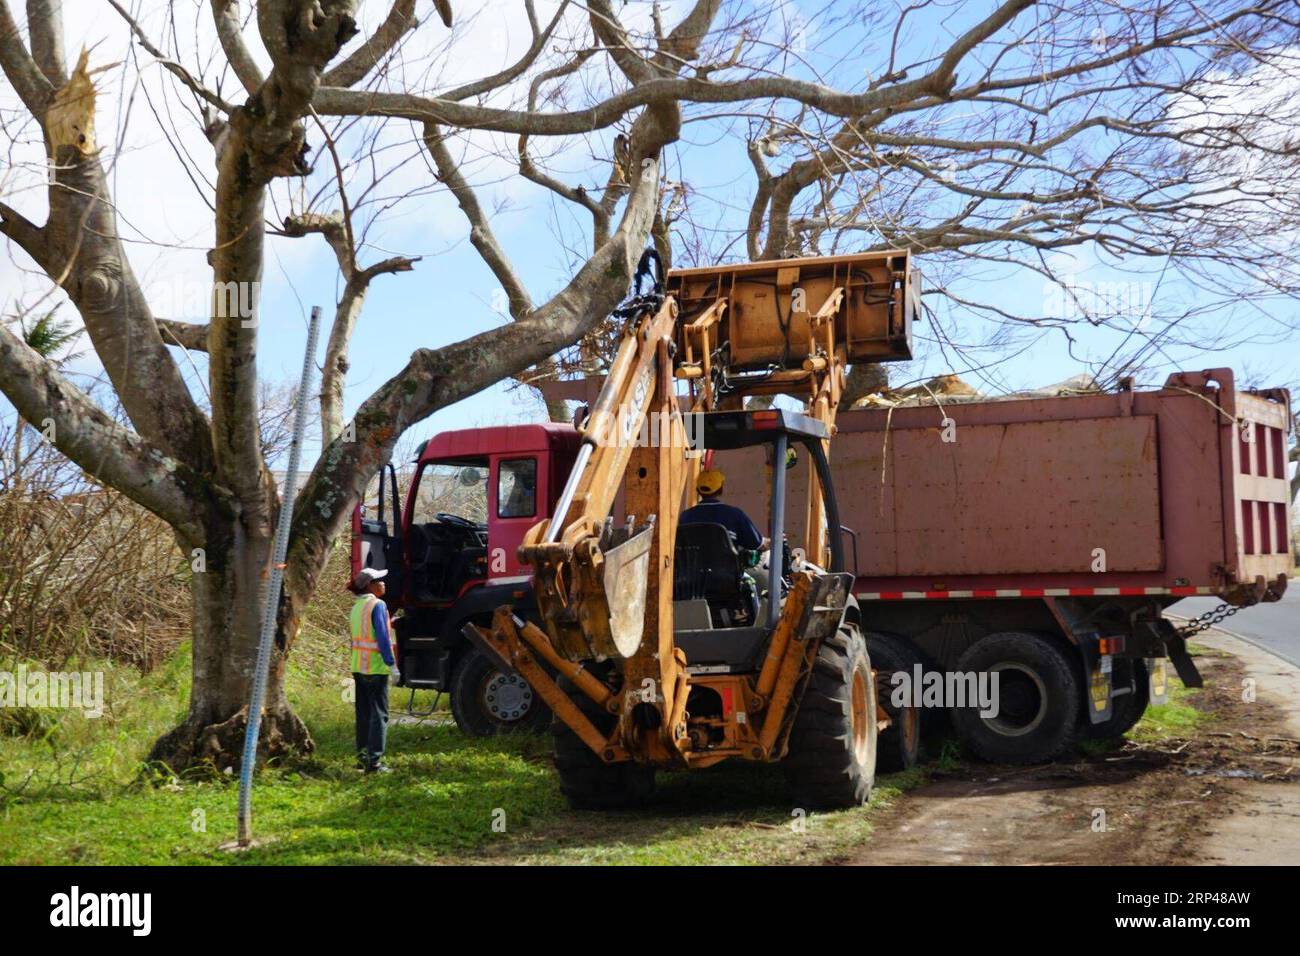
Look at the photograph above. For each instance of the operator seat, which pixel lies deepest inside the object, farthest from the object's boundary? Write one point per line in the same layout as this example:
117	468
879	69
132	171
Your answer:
706	564
708	567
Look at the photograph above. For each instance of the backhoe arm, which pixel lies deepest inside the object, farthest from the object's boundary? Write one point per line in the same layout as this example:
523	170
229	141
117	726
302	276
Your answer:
605	593
591	577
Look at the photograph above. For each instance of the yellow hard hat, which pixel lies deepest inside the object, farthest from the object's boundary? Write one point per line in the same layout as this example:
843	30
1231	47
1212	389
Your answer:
709	482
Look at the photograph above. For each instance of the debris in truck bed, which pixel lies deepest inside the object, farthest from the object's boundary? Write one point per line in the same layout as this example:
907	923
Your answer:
952	388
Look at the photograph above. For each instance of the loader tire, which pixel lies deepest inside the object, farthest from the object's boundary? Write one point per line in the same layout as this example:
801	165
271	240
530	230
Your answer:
1039	699
831	760
586	781
487	702
1126	710
899	745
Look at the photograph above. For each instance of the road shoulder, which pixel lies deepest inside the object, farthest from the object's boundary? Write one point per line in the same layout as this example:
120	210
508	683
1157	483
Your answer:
1263	825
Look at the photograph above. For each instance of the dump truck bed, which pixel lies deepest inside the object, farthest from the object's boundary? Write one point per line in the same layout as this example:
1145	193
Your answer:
1175	492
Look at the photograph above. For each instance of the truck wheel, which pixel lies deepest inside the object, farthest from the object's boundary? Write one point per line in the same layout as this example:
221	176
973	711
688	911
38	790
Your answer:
1125	711
487	701
899	746
586	781
832	754
1038	699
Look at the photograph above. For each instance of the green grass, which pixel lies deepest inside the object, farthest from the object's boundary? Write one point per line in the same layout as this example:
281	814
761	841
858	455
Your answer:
1177	717
75	795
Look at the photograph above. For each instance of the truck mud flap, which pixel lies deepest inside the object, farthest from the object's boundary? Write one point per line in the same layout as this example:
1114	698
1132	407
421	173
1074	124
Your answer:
1098	678
1157	680
1176	648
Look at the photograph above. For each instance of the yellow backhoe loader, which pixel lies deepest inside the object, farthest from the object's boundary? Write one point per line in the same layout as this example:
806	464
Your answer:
664	647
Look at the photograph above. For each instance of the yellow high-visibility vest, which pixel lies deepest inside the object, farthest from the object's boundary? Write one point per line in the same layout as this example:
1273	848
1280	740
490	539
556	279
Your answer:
366	658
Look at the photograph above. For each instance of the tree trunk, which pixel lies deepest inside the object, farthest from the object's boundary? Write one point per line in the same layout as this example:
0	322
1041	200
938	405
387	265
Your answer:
16	481
864	378
227	598
558	411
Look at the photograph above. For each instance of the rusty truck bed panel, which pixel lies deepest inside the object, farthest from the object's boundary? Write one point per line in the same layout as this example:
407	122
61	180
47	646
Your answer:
1149	491
1026	497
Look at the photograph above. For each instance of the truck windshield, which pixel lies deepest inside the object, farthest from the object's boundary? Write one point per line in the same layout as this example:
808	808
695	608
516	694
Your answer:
455	488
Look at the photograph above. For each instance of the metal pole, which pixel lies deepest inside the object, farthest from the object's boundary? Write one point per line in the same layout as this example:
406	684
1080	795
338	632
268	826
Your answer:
271	598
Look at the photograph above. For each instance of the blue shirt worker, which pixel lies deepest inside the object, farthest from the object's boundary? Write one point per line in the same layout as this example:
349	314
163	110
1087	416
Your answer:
372	665
711	510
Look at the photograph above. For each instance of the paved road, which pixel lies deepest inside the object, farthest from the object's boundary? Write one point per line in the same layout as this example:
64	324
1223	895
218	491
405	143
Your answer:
1275	627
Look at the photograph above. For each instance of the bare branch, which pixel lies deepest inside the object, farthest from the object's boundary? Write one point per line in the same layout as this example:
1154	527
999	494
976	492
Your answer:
520	66
226	16
187	335
102	448
45	24
481	235
31	84
169	64
347	312
937	82
399	22
266	140
30	238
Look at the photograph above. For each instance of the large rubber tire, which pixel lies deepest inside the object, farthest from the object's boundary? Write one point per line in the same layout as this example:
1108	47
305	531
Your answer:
1126	710
1039	698
899	745
831	760
586	781
486	701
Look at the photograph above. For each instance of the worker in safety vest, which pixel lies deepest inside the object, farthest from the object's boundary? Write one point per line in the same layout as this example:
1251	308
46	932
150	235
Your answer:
373	663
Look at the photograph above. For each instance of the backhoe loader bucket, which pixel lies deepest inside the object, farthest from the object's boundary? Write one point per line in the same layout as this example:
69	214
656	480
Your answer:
774	308
627	571
593	602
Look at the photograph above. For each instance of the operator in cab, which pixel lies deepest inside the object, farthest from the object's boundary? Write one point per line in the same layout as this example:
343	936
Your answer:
712	510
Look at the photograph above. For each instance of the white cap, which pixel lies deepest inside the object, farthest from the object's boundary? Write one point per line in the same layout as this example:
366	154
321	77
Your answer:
365	577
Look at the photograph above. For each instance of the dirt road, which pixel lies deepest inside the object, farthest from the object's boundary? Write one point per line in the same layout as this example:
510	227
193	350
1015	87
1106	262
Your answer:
1227	795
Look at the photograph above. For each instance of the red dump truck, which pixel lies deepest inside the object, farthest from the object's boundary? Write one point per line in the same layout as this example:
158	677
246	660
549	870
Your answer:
1037	539
1044	538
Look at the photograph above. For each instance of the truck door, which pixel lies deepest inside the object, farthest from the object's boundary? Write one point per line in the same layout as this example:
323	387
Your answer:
517	486
377	539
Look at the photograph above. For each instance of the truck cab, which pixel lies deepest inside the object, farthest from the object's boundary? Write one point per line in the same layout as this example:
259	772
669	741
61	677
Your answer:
450	543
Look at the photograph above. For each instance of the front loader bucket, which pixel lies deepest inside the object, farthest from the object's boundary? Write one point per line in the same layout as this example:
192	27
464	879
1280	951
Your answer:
592	598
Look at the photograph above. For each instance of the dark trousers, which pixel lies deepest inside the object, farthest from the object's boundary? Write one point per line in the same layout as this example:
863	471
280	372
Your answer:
372	716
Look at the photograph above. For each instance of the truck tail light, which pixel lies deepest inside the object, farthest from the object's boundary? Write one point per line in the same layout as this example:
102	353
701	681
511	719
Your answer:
766	419
1111	645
